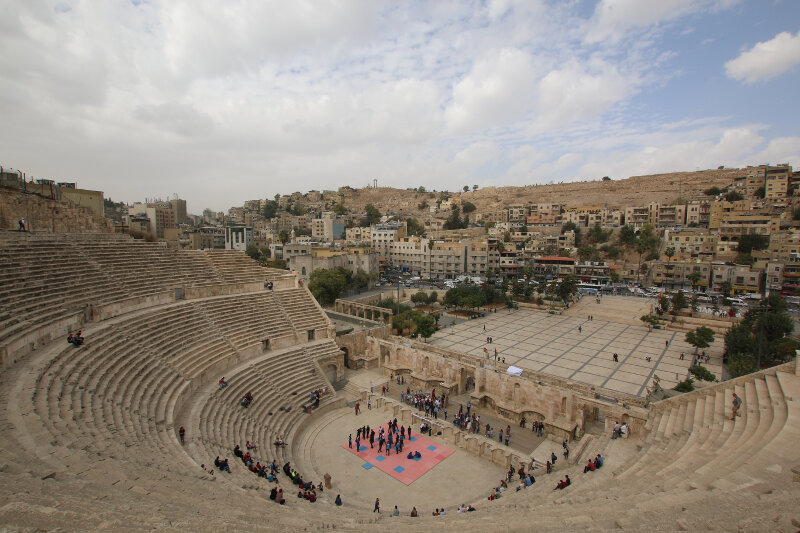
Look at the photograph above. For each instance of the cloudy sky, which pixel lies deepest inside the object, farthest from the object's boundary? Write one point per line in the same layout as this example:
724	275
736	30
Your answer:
226	101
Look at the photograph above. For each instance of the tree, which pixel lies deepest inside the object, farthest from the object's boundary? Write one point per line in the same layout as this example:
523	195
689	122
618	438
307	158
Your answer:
726	287
567	286
466	188
283	236
664	304
425	326
587	252
419	297
761	192
650	320
752	241
372	216
694	278
670	253
678	302
422	205
712	191
433	297
597	235
414	228
743	259
474	188
606	178
339	209
454	221
701	337
327	285
253	252
627	235
685	386
741	364
275	263
733	196
612	252
270	209
421	189
702	373
467	207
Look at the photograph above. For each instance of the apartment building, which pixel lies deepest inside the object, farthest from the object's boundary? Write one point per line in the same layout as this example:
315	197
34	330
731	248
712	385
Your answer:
678	274
595	272
692	243
697	213
670	215
638	216
518	213
544	215
784	244
383	235
756	177
734	226
447	259
741	277
553	267
498	216
326	229
722	209
412	252
777	182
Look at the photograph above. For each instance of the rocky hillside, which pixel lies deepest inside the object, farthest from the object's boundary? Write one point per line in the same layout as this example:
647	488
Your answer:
636	190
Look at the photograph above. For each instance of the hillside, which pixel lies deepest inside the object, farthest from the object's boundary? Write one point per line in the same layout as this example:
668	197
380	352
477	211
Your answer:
636	190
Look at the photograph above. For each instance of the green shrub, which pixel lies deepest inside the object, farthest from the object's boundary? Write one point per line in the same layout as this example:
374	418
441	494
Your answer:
702	373
685	386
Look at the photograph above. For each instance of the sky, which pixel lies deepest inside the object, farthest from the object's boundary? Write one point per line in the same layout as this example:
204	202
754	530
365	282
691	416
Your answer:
225	101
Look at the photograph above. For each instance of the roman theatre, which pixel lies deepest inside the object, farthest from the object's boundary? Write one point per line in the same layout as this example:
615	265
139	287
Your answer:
90	440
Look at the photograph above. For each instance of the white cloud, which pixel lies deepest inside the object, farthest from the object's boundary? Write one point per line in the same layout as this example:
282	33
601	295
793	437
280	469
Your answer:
766	60
578	91
779	150
495	92
613	20
226	101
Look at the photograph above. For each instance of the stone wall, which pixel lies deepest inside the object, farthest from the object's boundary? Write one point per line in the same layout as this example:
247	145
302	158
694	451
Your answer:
565	407
44	214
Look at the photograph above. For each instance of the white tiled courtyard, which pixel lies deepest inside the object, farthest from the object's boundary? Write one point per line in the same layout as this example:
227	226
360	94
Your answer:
552	344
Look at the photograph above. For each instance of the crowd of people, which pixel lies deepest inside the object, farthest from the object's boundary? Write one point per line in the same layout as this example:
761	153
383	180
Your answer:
75	338
593	465
426	402
620	430
394	438
314	397
306	489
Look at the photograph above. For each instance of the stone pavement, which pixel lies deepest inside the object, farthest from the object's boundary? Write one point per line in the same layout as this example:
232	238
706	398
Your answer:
398	465
459	478
553	344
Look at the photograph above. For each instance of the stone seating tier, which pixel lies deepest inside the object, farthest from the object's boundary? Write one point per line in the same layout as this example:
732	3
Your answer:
304	312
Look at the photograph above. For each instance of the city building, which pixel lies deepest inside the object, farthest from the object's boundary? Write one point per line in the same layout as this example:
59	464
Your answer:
238	237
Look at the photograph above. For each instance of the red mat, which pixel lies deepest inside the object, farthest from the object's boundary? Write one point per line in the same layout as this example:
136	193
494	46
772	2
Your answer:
398	465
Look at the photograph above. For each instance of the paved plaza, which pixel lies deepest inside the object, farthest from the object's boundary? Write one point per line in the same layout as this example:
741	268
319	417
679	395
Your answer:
553	344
